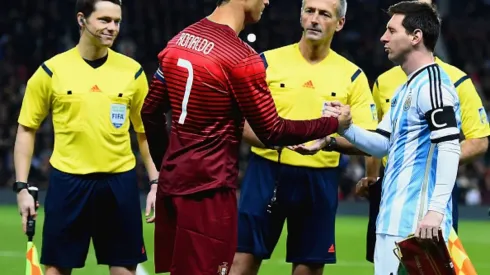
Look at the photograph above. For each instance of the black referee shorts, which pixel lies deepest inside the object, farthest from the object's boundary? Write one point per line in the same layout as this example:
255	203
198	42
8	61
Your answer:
101	207
374	202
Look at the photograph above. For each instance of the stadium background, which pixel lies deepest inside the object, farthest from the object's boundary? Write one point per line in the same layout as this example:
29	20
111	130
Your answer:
33	31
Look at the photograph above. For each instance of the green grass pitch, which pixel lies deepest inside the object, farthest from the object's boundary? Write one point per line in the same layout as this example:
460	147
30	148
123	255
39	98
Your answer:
350	247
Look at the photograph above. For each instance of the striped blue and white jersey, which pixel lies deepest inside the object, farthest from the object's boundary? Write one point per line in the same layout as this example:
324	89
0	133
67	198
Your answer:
424	112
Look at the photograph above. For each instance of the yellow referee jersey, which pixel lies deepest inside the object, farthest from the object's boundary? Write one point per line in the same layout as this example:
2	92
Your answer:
91	109
299	90
473	116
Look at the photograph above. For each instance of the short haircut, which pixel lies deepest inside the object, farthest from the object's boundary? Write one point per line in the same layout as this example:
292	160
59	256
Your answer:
86	7
341	9
421	16
221	2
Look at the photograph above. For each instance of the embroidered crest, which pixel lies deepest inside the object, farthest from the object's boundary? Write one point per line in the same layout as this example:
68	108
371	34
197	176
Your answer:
408	102
118	115
223	268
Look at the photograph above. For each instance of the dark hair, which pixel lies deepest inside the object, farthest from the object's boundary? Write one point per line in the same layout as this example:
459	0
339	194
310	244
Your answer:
421	16
88	6
221	2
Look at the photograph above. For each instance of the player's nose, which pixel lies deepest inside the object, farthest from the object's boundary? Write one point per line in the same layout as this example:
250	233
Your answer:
384	38
266	3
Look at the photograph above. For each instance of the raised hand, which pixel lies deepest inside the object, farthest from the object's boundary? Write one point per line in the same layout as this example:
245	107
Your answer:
331	109
345	118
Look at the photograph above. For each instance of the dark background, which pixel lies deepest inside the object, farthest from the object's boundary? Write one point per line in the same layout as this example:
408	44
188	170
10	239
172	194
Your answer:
33	31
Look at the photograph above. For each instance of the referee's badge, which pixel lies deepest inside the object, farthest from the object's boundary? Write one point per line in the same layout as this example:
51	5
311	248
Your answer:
408	102
483	115
118	115
374	112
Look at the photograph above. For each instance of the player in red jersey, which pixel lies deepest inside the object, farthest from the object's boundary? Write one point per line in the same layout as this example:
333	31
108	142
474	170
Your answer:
211	80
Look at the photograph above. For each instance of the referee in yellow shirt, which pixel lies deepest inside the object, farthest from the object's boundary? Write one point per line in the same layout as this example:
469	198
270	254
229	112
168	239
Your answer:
92	93
474	126
301	77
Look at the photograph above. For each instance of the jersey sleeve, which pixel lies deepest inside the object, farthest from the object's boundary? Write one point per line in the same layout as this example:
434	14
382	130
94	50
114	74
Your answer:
153	115
141	86
436	103
363	108
384	127
377	100
474	121
37	98
249	89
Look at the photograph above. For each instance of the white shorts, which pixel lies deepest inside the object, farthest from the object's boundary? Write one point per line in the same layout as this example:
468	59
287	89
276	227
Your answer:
385	261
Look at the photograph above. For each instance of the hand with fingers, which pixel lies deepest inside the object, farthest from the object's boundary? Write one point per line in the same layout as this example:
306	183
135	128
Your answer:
331	109
150	203
27	207
429	226
345	119
362	186
312	149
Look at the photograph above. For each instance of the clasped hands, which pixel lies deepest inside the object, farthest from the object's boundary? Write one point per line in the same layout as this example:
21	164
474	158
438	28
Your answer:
330	109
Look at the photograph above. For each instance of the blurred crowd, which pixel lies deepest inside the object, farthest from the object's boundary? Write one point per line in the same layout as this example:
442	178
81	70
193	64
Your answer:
33	31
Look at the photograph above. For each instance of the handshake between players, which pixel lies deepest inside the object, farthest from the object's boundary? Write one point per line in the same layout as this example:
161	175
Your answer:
427	228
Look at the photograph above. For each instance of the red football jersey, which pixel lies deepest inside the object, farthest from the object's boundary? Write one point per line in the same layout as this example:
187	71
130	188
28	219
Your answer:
211	80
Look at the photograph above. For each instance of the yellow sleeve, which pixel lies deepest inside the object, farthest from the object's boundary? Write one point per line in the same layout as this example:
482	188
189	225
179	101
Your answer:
138	98
377	100
474	121
37	98
361	102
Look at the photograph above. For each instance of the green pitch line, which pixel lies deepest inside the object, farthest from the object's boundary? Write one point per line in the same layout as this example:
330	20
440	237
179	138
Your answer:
350	247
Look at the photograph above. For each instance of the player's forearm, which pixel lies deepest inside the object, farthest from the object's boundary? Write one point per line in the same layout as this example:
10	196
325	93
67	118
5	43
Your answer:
250	137
23	150
446	172
347	148
472	149
370	142
293	132
146	157
372	167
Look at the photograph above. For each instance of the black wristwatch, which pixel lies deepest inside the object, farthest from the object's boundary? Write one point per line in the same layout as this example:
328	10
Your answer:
331	146
155	181
19	186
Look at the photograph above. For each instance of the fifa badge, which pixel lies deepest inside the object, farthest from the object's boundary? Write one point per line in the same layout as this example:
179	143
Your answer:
118	115
223	268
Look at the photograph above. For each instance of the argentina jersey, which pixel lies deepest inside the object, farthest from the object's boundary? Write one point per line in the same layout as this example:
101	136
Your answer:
424	112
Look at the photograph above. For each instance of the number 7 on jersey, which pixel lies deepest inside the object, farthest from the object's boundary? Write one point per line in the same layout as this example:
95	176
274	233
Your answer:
188	86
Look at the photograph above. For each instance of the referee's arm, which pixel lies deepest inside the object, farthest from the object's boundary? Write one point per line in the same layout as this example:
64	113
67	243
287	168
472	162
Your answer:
139	98
474	121
35	107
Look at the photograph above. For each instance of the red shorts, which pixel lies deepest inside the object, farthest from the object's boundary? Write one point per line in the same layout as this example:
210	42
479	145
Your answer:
196	234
